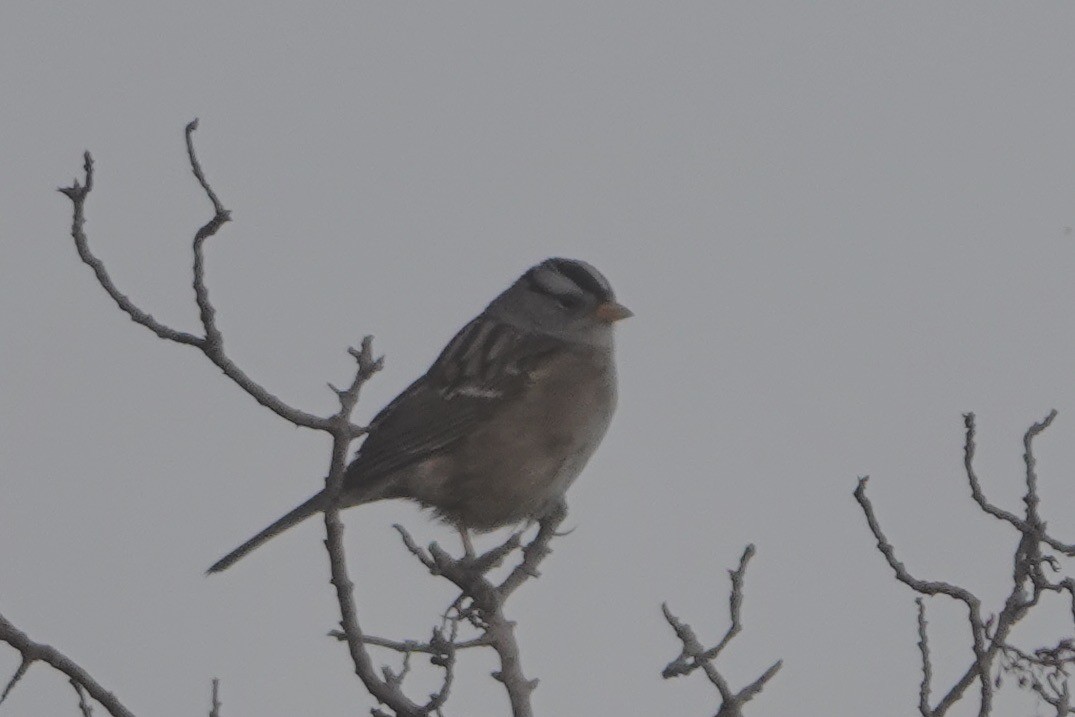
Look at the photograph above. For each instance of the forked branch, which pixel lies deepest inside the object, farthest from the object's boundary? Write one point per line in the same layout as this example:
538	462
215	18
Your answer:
82	680
693	655
211	343
990	632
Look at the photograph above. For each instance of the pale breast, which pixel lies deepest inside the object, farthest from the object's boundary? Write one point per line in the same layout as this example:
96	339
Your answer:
524	458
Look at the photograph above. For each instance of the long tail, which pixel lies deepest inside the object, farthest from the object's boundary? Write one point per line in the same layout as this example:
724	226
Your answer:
314	505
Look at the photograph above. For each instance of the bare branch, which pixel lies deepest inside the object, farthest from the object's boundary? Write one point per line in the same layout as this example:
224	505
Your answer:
488	602
220	217
445	659
1045	673
748	693
77	193
481	602
214	703
34	651
926	587
384	688
412	646
212	344
927	666
693	655
24	665
990	637
1031	500
976	489
535	552
83	705
415	549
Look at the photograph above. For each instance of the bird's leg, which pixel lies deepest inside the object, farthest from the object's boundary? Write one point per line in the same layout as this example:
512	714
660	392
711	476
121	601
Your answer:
468	547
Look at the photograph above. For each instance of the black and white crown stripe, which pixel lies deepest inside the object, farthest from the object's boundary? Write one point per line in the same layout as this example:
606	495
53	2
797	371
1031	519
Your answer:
565	277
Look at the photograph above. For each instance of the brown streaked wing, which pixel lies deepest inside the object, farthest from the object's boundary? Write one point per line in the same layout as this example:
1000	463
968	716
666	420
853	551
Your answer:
484	367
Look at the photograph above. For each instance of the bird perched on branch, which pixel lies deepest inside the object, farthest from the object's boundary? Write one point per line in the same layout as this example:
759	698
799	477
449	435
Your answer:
505	418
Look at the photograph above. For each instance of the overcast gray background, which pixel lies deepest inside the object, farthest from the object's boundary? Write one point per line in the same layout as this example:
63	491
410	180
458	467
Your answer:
840	227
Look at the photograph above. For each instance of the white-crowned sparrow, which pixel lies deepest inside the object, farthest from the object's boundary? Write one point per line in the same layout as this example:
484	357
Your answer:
505	418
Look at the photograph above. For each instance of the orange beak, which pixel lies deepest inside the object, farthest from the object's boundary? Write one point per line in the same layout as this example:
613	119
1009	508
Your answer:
612	311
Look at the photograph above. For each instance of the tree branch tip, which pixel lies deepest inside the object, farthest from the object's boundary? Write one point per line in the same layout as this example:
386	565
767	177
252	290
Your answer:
192	125
364	356
77	190
24	666
748	553
766	676
1037	428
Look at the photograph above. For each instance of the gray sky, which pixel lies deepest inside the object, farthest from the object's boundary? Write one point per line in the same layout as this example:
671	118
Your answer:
840	228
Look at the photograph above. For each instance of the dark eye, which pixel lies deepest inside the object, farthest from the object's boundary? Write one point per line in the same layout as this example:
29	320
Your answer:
569	302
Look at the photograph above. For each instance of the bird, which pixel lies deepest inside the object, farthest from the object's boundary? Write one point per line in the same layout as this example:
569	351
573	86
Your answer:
505	418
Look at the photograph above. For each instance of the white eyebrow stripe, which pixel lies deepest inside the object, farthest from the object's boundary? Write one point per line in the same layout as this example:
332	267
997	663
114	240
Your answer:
554	283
